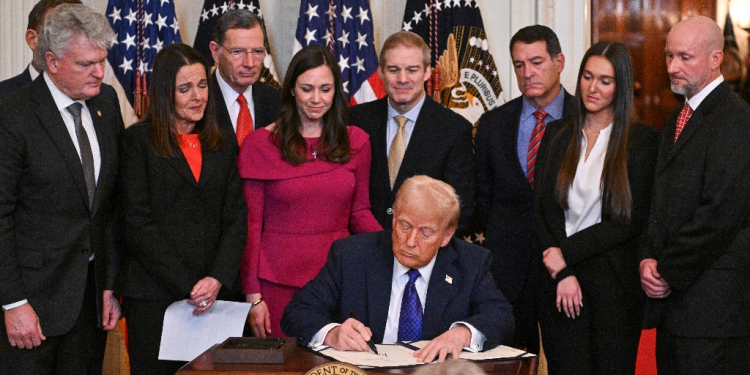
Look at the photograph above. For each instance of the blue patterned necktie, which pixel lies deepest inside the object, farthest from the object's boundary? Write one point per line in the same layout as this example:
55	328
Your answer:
410	320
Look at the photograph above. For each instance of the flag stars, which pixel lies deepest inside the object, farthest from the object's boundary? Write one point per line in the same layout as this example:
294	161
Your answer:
241	5
471	60
360	64
343	63
310	36
346	13
161	22
175	25
224	8
417	17
407	26
164	2
361	40
147	20
145	43
215	10
115	15
143	66
129	41
331	12
346	86
447	3
427	9
344	39
132	17
494	73
158	45
204	15
126	65
252	8
362	16
480	63
312	11
456	3
328	37
467	3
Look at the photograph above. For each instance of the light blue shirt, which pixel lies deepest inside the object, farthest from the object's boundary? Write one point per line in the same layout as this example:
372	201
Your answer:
408	128
526	125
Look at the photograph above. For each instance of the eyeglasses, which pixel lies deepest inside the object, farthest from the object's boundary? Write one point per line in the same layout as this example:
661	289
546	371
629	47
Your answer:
238	53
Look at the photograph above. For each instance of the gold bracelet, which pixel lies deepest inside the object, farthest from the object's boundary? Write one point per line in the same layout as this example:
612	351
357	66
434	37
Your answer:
253	304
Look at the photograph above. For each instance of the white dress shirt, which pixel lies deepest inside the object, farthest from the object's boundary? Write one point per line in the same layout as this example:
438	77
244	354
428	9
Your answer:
230	100
697	99
585	196
398	284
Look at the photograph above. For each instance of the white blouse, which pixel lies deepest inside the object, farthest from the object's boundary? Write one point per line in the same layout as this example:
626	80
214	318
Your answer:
585	196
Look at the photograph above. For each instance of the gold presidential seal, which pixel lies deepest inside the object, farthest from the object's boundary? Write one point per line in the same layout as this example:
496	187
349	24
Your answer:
336	368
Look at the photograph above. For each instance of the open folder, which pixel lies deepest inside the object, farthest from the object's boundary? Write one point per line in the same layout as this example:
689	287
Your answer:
402	355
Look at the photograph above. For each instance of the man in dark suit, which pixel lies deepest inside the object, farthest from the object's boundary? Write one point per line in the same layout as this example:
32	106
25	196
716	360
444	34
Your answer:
414	283
696	253
58	168
505	189
36	20
433	141
243	103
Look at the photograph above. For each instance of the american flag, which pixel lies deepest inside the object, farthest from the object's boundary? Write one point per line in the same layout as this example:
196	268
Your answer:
211	12
345	27
464	77
143	28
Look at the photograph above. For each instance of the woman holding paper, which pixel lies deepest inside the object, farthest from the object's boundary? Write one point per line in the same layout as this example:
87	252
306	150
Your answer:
594	172
184	216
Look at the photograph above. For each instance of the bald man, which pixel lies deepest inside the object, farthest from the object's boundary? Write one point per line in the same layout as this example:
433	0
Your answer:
695	264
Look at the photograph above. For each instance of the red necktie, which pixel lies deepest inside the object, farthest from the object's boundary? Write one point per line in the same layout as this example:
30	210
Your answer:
536	138
682	119
244	120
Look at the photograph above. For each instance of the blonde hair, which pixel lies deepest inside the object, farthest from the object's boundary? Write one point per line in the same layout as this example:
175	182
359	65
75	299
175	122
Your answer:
443	197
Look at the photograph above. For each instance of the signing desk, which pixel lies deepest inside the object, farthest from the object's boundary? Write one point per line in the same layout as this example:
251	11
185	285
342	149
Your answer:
303	360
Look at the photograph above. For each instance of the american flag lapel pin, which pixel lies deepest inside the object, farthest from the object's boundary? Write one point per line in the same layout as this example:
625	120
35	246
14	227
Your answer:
448	279
99	113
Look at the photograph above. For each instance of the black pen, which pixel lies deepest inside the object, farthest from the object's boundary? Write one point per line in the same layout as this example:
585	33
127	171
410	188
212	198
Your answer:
369	342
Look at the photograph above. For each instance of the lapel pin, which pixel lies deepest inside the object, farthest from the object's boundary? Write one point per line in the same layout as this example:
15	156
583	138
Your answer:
448	279
99	113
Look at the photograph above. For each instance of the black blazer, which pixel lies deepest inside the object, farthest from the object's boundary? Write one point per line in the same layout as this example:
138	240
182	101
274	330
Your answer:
505	199
699	229
177	230
47	231
440	147
267	102
12	84
613	245
357	279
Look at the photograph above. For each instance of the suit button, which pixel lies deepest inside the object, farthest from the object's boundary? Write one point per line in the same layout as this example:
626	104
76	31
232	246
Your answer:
84	251
389	211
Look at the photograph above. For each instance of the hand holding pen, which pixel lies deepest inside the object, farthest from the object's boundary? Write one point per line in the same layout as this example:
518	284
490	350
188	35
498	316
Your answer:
351	335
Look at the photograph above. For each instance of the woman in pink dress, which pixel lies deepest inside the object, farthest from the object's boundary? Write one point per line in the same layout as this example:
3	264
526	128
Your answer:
306	180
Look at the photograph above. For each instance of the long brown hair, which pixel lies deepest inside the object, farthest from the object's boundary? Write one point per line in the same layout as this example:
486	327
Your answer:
334	139
616	198
161	110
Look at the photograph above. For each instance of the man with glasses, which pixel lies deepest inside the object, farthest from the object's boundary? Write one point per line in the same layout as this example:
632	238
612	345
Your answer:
243	103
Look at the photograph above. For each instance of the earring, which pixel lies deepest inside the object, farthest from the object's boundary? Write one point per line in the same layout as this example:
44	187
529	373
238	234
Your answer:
292	93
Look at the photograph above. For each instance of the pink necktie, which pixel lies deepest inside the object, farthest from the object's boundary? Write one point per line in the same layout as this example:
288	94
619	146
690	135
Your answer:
536	139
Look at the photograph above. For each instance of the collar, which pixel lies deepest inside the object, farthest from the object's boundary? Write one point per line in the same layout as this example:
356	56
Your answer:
230	96
554	109
412	114
62	101
32	72
698	98
426	271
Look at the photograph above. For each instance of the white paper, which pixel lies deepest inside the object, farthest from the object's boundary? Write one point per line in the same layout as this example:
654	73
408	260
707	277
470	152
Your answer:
496	353
186	336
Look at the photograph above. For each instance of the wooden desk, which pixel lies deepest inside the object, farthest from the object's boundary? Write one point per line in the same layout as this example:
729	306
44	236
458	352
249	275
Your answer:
303	360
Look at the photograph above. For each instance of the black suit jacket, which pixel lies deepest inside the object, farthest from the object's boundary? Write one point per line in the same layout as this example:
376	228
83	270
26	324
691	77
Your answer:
47	231
440	147
699	229
604	247
267	102
357	279
505	199
177	230
12	84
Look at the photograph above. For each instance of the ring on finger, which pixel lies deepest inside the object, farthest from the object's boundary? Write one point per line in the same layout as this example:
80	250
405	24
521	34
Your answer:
204	304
